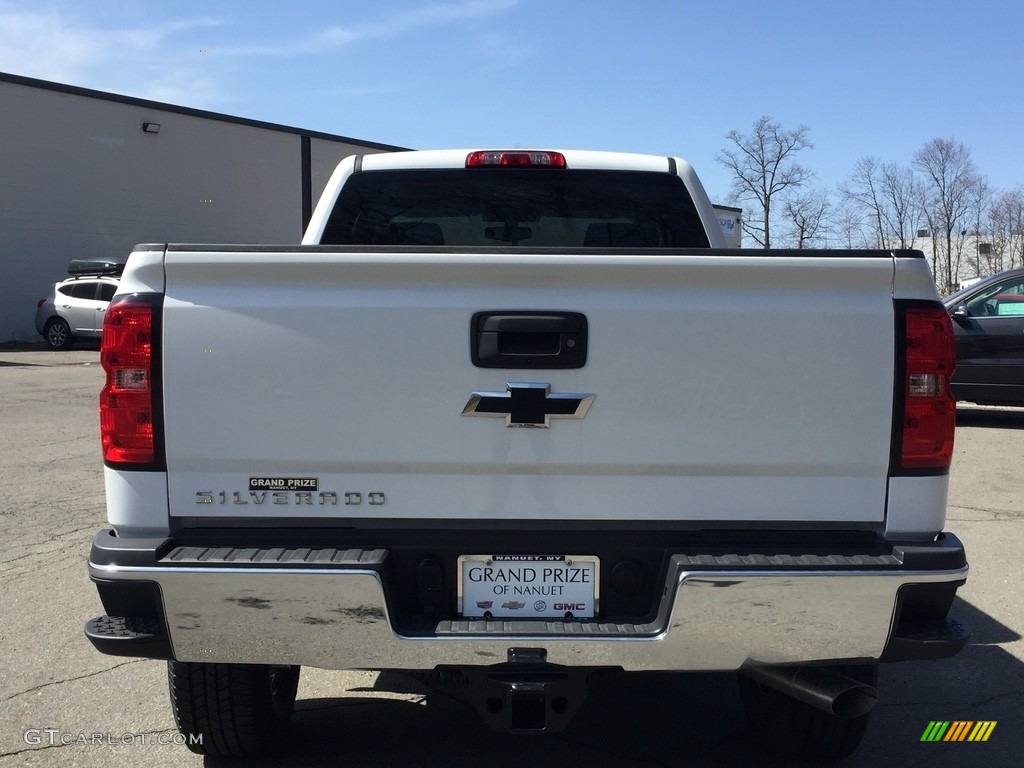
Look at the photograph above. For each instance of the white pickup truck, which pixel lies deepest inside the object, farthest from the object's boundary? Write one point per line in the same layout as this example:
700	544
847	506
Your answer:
519	419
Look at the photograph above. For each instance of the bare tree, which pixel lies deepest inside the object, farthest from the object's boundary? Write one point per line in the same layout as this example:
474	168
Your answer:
889	197
905	203
807	217
762	165
863	191
849	227
981	200
1006	228
950	184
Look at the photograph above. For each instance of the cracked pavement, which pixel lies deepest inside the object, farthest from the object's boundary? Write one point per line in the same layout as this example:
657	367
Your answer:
51	503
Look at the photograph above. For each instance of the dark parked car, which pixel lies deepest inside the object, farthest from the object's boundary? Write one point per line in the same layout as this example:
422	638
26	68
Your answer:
988	323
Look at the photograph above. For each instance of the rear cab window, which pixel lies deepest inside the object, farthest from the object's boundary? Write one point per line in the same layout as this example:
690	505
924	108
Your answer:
532	207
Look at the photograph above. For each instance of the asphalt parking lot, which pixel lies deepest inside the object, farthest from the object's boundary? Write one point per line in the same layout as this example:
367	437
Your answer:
111	711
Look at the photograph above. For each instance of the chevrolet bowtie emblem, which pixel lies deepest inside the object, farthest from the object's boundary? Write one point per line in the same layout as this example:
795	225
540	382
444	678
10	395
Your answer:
524	404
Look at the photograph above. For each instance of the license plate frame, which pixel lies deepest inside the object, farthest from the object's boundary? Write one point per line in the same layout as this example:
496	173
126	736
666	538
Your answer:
527	587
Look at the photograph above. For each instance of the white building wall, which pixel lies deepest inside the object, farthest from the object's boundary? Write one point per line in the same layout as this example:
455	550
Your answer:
79	178
976	255
731	221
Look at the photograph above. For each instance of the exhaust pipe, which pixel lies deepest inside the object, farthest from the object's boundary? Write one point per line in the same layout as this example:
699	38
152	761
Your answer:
821	687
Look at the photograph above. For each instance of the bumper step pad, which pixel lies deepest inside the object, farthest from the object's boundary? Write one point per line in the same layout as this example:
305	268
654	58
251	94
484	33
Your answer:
927	640
129	636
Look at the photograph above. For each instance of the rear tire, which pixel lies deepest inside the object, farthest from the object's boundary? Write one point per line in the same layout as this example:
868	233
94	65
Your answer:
798	730
58	334
231	710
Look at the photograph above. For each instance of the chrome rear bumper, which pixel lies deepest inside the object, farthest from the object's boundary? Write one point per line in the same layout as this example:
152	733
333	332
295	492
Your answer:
712	617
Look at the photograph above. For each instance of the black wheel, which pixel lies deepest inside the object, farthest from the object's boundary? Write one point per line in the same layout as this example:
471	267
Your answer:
58	334
231	710
797	730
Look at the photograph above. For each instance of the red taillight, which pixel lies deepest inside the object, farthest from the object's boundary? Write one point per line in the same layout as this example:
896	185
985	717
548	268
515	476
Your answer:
40	303
127	403
929	410
515	158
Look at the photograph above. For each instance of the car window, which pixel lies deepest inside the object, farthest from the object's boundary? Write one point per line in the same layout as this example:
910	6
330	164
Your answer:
107	291
84	290
1004	299
65	289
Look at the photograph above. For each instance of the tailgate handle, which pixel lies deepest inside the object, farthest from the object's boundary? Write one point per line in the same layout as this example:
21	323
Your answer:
528	339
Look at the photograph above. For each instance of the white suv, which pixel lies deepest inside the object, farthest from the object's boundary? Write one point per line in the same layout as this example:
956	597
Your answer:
75	309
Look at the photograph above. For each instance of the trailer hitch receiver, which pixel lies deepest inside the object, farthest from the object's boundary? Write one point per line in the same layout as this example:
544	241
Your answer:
523	695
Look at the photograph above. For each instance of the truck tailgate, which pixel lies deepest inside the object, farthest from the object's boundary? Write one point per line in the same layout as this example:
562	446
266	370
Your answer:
727	388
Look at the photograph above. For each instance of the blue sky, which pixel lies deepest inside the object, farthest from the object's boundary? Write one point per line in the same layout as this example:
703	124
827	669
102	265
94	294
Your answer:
873	77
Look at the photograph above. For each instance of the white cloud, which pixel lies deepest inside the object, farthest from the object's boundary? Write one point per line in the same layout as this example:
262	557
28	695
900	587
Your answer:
506	49
140	61
335	37
434	15
185	86
162	60
352	92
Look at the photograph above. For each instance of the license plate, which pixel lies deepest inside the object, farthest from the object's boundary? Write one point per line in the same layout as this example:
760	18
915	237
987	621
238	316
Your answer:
528	586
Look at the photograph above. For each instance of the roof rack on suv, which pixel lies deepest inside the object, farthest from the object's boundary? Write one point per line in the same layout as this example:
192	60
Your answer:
80	267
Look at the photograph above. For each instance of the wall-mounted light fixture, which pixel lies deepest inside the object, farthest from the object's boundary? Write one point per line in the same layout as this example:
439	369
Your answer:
151	127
